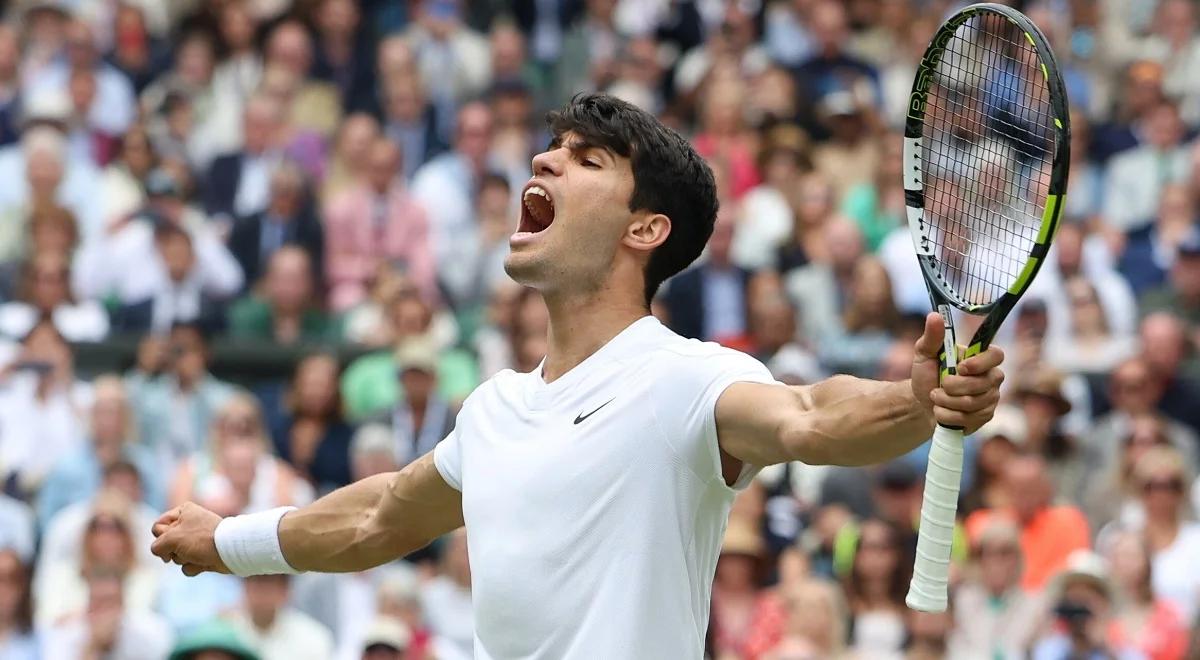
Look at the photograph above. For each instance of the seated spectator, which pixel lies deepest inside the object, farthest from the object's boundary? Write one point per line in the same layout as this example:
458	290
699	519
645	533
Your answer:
316	105
137	53
708	300
999	440
821	290
722	134
288	220
213	640
311	434
43	174
343	53
107	627
423	417
814	211
63	535
1167	346
482	267
42	407
1090	345
877	205
875	588
376	222
51	229
274	630
106	549
388	315
772	335
349	156
1133	391
175	411
176	269
1112	494
410	120
1141	620
17	527
237	467
1082	597
446	600
815	625
1150	252
993	614
766	212
399	597
1040	392
1162	481
388	639
77	477
869	323
285	310
46	294
1049	532
17	639
743	616
852	154
1136	178
238	183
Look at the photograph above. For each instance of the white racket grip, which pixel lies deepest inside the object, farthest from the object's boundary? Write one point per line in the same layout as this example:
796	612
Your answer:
935	538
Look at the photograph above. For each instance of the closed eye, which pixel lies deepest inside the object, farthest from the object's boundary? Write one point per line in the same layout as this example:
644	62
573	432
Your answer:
588	162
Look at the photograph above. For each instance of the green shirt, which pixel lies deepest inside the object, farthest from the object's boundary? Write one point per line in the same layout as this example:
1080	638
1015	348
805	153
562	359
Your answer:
371	385
250	318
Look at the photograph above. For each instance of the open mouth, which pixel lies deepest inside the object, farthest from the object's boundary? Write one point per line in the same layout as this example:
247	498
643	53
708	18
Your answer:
537	210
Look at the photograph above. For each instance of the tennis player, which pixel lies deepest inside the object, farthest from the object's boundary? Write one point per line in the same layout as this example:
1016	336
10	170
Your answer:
595	489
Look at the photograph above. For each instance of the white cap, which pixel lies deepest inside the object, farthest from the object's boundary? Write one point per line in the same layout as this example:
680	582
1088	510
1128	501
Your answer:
388	631
1007	422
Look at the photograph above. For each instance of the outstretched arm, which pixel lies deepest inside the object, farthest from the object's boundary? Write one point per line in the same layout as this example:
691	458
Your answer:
853	421
365	524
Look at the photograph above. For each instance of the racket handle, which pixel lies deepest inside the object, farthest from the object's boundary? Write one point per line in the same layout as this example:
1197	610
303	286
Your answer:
935	538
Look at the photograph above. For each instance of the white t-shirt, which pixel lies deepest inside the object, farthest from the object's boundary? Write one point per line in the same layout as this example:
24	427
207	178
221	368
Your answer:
1175	575
595	504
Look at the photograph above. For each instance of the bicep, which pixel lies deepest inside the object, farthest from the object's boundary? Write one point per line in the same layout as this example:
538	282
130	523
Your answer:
753	420
419	501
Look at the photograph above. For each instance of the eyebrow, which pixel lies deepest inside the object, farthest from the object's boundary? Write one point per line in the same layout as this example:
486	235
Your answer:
580	144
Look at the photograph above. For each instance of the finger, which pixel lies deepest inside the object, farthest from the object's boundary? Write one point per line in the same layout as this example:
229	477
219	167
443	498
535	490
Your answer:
169	518
949	418
982	363
192	570
970	404
958	385
160	528
979	419
164	547
930	342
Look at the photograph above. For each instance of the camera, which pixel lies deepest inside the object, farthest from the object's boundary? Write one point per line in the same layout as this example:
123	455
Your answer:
1075	614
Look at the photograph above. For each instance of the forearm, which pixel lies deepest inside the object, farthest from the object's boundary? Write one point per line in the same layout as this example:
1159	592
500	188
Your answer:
852	421
371	522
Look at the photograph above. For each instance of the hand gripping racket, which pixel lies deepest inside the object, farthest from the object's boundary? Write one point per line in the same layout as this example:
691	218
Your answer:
986	153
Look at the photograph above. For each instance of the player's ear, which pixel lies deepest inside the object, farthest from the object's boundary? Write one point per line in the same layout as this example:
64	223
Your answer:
647	231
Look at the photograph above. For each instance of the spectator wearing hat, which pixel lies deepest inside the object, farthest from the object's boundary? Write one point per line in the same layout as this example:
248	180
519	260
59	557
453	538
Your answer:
993	614
423	417
1049	532
275	630
285	310
1082	597
744	617
446	600
1040	396
310	432
999	440
45	293
108	627
17	639
289	219
374	223
1142	620
213	640
387	639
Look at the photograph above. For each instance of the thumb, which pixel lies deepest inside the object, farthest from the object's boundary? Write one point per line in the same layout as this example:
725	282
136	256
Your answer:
930	342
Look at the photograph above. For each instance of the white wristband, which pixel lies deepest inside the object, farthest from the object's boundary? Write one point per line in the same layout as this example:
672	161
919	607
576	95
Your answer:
249	544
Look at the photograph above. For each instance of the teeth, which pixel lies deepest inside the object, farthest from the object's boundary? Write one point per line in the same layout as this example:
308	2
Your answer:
537	190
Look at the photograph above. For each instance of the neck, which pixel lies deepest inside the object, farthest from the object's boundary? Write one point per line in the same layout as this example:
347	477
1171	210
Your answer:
581	324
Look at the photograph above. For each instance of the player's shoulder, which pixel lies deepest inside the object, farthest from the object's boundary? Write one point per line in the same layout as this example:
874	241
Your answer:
678	358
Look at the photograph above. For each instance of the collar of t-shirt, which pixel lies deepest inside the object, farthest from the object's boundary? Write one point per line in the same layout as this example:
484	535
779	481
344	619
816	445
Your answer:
540	395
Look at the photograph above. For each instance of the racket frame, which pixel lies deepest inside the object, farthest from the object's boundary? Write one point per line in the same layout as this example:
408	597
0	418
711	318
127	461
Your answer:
929	586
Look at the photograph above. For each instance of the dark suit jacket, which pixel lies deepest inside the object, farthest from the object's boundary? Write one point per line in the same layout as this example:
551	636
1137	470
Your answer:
245	242
685	301
135	318
221	184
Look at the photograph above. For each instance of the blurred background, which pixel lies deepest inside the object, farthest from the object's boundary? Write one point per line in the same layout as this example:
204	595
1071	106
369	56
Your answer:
250	251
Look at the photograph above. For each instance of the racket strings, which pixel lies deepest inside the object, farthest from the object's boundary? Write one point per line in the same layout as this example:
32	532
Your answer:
986	152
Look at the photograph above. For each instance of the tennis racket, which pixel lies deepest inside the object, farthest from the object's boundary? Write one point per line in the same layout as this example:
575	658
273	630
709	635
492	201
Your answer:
986	153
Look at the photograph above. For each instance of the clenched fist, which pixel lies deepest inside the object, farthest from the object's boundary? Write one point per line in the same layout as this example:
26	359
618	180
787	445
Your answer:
965	400
185	535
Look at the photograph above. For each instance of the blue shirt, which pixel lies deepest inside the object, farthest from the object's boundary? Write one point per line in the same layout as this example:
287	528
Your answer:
77	478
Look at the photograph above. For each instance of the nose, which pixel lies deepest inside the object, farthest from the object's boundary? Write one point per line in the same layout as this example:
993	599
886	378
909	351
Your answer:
549	162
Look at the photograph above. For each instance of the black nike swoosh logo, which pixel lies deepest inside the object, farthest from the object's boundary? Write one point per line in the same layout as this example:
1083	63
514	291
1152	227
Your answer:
582	417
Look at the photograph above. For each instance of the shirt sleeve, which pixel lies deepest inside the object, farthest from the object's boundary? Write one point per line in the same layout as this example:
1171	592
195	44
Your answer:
687	403
447	458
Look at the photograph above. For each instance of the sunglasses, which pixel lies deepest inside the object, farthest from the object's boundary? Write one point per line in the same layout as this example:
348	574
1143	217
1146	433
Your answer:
1167	485
106	524
1002	551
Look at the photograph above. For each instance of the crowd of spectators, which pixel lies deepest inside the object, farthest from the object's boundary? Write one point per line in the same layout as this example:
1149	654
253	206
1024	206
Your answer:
195	184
